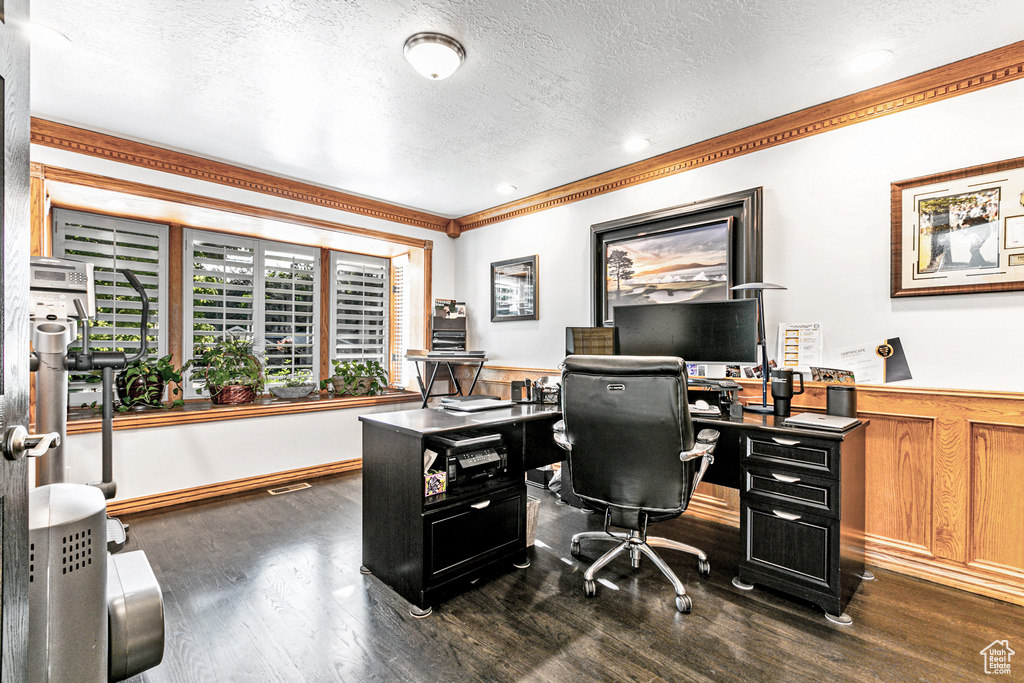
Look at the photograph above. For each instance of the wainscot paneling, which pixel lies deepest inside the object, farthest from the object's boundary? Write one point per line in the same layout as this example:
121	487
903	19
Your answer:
945	480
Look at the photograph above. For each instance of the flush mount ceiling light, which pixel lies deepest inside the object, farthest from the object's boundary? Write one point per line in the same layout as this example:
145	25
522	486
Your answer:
434	55
869	61
636	144
48	37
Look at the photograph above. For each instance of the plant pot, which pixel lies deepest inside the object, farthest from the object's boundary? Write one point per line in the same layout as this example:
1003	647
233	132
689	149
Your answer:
232	394
292	392
360	386
134	395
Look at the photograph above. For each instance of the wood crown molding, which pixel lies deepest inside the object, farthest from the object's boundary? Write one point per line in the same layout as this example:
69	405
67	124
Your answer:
81	141
1002	65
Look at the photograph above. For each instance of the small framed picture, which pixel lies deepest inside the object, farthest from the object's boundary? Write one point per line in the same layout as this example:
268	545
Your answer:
514	289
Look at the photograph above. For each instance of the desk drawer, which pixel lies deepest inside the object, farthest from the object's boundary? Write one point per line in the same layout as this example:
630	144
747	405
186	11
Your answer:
793	489
819	456
461	536
794	546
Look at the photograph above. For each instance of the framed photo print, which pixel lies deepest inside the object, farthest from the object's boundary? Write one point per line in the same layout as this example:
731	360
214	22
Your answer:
514	289
959	232
694	252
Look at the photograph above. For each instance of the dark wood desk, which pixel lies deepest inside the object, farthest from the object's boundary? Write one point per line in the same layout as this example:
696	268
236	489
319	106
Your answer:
430	548
801	503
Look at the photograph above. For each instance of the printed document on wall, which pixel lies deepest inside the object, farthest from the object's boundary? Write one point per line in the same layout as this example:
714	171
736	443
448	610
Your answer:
799	344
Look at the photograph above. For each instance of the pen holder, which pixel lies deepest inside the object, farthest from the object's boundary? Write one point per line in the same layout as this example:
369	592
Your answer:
551	394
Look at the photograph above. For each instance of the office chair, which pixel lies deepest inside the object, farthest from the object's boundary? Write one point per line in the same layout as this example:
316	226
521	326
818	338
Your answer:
632	454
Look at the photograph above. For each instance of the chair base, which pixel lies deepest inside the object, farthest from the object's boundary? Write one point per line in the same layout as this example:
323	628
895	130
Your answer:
637	546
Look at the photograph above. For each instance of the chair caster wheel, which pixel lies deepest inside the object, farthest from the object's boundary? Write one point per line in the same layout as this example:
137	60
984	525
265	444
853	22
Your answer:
574	548
684	604
704	567
589	588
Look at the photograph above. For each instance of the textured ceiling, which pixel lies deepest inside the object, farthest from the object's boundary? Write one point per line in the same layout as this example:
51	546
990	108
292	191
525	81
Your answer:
320	91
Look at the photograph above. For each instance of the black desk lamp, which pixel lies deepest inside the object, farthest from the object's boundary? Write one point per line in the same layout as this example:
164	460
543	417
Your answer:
762	343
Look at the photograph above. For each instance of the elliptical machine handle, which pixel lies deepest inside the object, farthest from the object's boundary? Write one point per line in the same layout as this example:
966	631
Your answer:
143	340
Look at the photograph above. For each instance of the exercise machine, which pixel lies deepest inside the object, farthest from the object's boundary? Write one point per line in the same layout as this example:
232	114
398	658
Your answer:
95	614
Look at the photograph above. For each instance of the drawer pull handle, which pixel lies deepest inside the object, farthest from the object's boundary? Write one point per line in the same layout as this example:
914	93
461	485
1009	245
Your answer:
784	478
785	442
788	516
481	505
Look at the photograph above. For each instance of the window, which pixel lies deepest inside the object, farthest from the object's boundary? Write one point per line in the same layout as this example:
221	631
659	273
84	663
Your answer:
264	291
360	308
399	316
113	244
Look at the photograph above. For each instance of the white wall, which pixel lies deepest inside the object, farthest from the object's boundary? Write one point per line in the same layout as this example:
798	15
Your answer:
826	238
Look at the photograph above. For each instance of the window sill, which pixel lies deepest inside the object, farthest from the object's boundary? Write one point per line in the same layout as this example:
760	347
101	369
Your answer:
86	420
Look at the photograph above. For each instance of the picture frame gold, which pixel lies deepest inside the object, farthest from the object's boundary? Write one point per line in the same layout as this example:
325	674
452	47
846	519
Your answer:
951	232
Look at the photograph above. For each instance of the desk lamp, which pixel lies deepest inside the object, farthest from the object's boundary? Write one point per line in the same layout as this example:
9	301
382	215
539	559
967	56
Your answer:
762	343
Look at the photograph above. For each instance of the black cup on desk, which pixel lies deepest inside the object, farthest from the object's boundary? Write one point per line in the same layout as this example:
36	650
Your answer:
782	389
841	400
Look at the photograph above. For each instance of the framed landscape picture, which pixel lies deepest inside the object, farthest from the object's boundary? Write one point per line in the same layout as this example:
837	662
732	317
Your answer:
959	232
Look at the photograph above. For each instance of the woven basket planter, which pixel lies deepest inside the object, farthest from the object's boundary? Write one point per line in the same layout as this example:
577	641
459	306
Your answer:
233	394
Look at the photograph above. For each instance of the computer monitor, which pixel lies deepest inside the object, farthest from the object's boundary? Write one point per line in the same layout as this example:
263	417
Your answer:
595	341
708	332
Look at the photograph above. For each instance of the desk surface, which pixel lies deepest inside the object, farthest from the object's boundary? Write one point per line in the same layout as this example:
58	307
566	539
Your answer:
447	359
438	420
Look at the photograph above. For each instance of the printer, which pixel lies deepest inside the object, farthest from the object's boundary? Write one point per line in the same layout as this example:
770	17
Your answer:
470	456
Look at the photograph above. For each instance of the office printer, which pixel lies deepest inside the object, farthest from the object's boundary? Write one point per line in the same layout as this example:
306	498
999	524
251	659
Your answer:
470	456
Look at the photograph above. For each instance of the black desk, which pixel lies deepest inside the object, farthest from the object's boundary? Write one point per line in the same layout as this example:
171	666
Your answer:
426	384
430	548
801	503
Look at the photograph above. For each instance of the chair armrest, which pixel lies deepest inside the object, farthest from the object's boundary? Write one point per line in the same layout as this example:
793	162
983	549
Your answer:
704	448
559	431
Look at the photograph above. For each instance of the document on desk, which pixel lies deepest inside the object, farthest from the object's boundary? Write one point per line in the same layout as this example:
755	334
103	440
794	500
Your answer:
474	406
799	344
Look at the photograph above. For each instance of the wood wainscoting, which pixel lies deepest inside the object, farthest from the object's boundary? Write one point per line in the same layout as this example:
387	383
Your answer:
945	480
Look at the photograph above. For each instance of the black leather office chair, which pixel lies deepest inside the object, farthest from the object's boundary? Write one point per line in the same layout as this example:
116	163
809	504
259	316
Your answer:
632	454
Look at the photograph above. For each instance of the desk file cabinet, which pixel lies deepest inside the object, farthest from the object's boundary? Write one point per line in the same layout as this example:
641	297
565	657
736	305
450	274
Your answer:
802	515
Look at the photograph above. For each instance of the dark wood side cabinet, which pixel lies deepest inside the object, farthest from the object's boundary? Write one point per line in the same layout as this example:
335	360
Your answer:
802	515
430	548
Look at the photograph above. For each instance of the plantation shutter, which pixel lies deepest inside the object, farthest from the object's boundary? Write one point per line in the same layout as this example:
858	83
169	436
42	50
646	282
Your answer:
291	308
111	245
359	329
399	295
220	291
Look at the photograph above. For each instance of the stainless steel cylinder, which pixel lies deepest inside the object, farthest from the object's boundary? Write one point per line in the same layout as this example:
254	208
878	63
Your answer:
50	341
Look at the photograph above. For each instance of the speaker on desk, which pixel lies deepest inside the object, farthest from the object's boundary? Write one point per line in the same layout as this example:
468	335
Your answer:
841	400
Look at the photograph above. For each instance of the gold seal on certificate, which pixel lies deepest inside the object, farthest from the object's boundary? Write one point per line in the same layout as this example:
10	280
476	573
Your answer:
884	350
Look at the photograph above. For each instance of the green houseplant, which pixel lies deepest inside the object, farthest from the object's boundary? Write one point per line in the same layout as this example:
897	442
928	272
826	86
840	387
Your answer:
359	378
230	368
141	383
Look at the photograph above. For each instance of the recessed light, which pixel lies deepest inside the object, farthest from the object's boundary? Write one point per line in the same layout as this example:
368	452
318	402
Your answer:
48	37
869	61
636	144
507	189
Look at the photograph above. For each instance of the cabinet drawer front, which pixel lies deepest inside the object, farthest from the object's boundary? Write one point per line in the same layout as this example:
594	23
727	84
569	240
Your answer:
793	489
459	537
792	545
814	455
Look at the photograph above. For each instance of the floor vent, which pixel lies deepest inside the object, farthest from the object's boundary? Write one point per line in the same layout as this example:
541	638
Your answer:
288	489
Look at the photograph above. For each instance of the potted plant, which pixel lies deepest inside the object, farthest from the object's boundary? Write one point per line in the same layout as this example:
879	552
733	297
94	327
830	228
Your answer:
232	372
296	385
141	383
359	378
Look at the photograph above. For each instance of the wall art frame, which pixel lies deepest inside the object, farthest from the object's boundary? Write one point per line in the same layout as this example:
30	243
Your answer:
958	232
730	222
514	289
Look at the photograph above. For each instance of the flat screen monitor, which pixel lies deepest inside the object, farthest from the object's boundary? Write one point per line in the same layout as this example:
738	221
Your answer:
598	341
698	332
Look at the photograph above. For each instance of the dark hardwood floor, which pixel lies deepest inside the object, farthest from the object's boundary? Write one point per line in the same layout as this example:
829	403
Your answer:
267	588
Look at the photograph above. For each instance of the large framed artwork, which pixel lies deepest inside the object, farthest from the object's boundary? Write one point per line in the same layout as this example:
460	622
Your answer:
959	232
694	252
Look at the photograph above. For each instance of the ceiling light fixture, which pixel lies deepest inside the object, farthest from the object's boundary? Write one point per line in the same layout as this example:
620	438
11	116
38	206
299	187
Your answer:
48	37
636	144
869	61
507	189
434	55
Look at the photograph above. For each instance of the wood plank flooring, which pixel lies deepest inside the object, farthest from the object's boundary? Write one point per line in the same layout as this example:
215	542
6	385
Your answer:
267	588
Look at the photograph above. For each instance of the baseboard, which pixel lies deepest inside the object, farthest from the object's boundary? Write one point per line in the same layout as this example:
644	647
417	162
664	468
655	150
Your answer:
713	509
227	488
